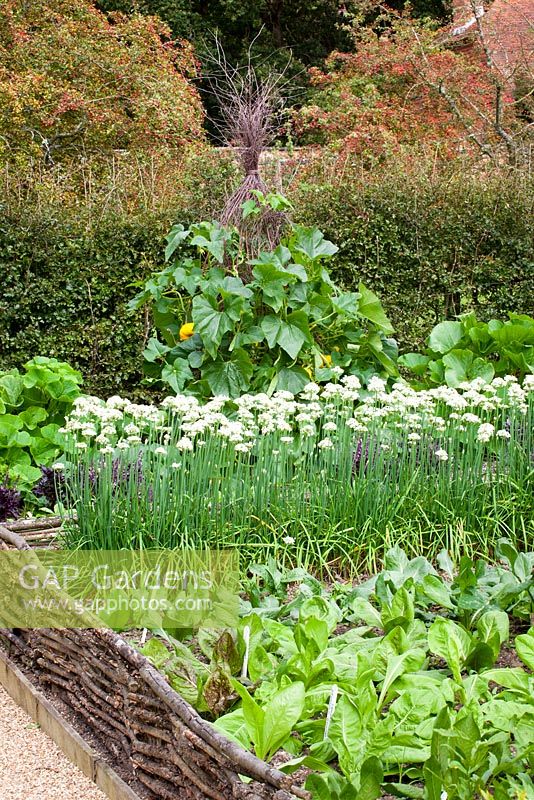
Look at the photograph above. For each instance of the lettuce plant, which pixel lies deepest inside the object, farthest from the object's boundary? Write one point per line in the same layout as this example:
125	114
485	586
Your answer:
404	705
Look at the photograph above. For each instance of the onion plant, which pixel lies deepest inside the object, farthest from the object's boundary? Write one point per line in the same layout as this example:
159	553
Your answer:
337	473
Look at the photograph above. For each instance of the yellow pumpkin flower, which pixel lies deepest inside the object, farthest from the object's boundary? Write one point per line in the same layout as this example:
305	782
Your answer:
186	331
327	360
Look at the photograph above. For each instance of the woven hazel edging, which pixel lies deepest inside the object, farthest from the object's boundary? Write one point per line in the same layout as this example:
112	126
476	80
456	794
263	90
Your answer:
35	532
139	718
91	763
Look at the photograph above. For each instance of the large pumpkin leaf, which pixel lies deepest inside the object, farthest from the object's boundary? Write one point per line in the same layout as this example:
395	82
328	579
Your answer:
370	307
229	378
210	323
290	335
311	243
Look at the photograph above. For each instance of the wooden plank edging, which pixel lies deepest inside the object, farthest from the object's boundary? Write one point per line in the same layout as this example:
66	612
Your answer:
69	741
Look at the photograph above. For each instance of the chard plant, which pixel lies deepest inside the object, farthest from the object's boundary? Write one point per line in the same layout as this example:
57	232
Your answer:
404	701
33	406
465	349
289	323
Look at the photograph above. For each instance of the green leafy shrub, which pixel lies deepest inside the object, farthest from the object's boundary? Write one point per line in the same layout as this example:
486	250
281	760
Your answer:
33	406
432	246
66	268
289	323
63	294
465	349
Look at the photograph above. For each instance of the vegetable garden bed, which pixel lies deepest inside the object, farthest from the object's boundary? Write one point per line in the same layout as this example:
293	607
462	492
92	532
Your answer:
416	682
138	717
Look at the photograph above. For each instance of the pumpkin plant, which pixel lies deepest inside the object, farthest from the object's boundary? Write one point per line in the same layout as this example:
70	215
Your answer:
220	334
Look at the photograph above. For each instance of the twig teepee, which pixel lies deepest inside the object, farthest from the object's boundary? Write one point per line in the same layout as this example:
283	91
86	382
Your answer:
250	110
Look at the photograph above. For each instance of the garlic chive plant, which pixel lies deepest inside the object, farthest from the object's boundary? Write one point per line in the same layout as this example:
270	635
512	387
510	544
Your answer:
338	471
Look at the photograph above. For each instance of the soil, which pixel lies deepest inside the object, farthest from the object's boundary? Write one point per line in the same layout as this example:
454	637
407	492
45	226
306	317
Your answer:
45	774
508	657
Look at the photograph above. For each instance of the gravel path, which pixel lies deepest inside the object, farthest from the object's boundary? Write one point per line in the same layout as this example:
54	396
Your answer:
31	766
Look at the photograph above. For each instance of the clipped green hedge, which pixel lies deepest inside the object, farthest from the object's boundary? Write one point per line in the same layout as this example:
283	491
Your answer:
64	292
429	249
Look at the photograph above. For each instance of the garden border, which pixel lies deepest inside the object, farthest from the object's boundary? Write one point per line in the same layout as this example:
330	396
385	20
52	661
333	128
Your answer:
67	738
137	716
34	532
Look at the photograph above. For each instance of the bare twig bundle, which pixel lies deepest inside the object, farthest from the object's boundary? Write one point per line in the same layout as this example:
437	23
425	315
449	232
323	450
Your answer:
251	110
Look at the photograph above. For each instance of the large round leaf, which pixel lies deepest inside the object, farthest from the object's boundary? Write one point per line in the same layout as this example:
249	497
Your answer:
445	336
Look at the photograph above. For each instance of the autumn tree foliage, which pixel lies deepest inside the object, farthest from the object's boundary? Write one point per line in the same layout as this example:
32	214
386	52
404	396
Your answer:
403	88
75	83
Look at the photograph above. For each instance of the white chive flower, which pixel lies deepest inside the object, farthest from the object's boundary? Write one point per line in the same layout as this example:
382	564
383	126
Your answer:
485	432
325	444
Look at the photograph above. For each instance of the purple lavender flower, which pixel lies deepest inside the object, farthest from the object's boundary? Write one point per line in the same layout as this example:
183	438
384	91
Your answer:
120	473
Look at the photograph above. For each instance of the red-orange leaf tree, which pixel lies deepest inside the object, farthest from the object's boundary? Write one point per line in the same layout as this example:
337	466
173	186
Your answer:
404	88
75	83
